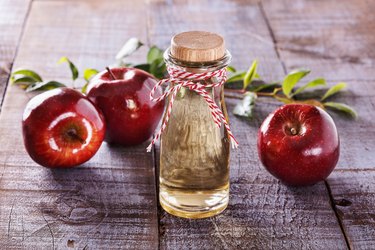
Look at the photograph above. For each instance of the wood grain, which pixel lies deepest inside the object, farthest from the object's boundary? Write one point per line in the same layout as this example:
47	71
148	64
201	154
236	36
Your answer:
335	41
107	203
110	202
354	196
13	15
262	213
234	20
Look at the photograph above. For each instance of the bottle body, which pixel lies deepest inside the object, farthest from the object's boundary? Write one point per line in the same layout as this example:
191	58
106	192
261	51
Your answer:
194	157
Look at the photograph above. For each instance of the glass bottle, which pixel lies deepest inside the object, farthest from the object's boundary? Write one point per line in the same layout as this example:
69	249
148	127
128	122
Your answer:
194	151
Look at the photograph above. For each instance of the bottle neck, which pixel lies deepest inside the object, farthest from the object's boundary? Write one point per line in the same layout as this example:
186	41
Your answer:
197	67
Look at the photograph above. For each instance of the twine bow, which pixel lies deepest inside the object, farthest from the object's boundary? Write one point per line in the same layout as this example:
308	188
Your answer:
189	80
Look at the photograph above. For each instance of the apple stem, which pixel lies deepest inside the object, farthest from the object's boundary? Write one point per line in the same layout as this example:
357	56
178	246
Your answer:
243	91
73	134
293	131
233	96
111	73
239	91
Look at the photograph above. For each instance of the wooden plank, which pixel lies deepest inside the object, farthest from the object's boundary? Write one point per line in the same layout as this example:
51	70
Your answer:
289	25
12	17
262	213
354	195
357	138
236	21
335	40
109	202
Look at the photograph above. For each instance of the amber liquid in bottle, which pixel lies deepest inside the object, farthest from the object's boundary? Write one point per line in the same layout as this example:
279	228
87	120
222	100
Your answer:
194	158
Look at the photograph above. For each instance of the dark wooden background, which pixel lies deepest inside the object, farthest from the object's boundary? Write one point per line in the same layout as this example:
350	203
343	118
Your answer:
111	201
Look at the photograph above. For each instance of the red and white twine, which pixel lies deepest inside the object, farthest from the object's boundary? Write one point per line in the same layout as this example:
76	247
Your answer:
179	79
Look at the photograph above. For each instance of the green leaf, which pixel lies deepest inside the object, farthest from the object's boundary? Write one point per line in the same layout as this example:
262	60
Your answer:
246	106
131	46
264	86
145	67
44	86
313	83
333	90
283	100
89	73
238	76
84	88
72	67
158	68
250	74
154	68
292	79
156	61
22	80
127	65
154	54
231	69
26	73
341	107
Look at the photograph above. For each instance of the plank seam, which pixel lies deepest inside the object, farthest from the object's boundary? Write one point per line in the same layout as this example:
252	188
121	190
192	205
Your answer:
272	34
154	157
50	230
356	170
10	219
158	209
148	24
16	52
332	202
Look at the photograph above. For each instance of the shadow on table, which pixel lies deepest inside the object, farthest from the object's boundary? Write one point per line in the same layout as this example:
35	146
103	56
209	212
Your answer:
112	195
262	212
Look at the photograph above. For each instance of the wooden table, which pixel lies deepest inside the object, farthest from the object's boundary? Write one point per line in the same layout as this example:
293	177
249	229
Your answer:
111	201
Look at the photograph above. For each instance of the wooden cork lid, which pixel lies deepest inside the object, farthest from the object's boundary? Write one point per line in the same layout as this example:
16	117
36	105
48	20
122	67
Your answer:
197	46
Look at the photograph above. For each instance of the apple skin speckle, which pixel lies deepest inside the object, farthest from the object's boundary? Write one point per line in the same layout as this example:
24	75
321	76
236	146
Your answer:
62	128
299	144
130	115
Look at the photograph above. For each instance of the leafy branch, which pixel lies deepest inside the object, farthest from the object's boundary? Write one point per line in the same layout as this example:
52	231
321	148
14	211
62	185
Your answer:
285	91
248	83
32	81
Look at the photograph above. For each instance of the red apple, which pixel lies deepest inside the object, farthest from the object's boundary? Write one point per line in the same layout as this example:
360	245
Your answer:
299	144
123	95
62	128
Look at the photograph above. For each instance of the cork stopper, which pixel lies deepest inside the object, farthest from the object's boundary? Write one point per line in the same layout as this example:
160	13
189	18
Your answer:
197	46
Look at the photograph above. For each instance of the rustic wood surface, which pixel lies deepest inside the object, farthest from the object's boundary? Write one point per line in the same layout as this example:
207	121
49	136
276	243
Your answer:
262	213
111	201
336	41
13	15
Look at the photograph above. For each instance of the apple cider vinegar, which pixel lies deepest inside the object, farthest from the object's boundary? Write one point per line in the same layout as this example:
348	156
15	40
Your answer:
194	160
194	151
